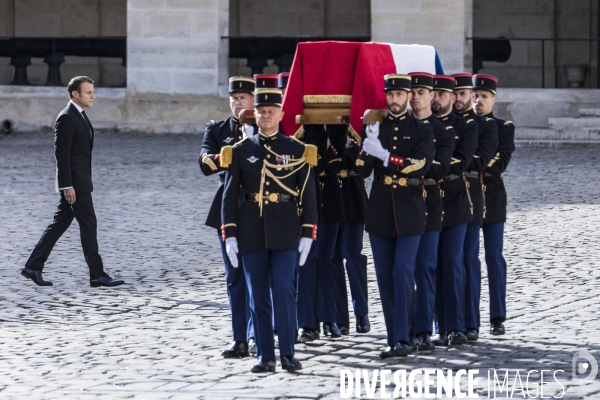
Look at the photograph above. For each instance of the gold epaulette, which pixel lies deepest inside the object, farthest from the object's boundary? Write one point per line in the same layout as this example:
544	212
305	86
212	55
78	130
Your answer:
226	156
299	133
354	135
310	154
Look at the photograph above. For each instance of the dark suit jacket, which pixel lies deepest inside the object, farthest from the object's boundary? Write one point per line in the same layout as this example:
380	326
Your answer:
73	145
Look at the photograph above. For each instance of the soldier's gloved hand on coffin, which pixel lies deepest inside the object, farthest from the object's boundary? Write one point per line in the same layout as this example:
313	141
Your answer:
373	147
304	249
373	130
248	130
231	247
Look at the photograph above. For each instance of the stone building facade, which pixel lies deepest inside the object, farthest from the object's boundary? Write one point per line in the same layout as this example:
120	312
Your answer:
177	60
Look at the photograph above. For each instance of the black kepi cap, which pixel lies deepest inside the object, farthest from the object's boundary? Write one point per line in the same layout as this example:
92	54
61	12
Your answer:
443	82
283	80
463	81
396	82
241	84
267	97
266	81
421	80
485	82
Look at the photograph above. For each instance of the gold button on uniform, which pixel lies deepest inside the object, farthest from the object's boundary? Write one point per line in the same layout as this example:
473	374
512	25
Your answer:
394	186
266	201
267	183
393	147
395	137
268	156
395	129
267	193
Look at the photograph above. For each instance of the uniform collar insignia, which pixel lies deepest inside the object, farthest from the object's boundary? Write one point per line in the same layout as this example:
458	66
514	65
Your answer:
252	159
228	140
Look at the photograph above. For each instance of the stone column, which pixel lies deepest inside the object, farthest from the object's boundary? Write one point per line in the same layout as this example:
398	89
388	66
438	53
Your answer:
176	63
443	24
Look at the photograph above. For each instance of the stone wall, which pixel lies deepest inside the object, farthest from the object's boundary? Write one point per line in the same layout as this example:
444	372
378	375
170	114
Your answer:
332	18
443	24
539	19
64	18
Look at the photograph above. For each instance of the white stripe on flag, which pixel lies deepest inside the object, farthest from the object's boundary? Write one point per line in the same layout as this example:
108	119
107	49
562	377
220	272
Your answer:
413	58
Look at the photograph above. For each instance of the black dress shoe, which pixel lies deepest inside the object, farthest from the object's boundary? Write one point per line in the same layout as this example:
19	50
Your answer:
344	330
441	340
105	281
456	337
331	329
387	352
362	324
497	328
35	276
424	343
402	349
236	350
290	363
263	366
472	334
306	335
251	346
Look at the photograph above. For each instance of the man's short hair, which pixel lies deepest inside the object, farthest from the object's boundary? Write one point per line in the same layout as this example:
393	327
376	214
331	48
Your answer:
75	84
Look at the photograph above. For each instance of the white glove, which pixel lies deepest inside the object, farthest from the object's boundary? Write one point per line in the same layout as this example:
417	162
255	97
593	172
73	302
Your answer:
374	148
248	130
373	130
231	248
304	249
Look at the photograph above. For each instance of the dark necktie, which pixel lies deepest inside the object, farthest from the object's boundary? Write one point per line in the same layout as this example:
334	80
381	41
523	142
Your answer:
88	122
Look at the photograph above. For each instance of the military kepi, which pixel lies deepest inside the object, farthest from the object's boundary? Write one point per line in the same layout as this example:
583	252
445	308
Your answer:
283	80
443	82
396	82
266	81
267	97
485	82
421	80
241	84
463	81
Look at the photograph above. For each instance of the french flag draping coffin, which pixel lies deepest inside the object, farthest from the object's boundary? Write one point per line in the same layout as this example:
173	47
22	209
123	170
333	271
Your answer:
339	75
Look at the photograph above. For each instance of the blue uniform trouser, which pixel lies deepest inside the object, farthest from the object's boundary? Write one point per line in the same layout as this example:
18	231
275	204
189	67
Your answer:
472	277
307	292
424	297
493	238
349	246
395	259
239	300
449	276
272	273
324	251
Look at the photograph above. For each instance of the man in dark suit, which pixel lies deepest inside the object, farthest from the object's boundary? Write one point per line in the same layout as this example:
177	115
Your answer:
73	143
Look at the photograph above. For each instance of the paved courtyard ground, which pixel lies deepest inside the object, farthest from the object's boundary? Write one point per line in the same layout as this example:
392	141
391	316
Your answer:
160	336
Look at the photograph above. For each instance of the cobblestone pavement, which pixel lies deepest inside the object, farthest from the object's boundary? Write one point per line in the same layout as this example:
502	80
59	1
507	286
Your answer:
160	335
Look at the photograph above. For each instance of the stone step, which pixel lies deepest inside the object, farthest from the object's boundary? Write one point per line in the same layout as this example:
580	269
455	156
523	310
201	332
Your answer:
577	133
589	112
558	143
573	123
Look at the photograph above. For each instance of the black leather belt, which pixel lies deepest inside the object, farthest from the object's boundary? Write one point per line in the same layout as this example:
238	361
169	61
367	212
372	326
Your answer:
472	174
345	173
388	180
429	182
451	177
273	197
